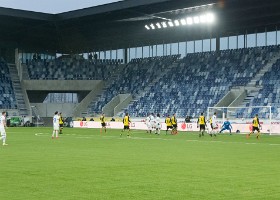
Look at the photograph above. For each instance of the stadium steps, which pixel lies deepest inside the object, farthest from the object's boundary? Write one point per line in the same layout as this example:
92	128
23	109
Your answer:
148	87
252	84
23	111
107	84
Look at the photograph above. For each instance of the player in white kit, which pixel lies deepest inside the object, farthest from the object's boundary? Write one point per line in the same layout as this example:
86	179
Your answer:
157	124
152	120
214	125
55	125
3	126
148	124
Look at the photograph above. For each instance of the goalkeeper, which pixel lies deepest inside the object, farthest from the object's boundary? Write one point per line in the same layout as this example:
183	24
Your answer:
226	126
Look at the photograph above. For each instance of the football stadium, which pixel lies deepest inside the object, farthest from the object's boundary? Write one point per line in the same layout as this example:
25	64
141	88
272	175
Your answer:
140	99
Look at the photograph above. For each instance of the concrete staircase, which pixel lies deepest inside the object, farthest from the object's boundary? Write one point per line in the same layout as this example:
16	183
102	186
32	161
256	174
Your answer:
105	87
266	68
23	111
148	87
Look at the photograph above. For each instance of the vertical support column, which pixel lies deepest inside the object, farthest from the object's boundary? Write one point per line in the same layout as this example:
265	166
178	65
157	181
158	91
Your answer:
125	56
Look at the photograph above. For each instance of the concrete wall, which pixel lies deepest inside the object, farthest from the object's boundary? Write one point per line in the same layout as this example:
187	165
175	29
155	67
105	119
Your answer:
83	105
229	97
60	85
117	104
48	109
125	100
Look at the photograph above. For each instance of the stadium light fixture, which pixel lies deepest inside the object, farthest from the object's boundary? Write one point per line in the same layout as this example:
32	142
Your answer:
189	21
164	25
158	25
170	23
210	17
183	22
203	18
196	20
177	23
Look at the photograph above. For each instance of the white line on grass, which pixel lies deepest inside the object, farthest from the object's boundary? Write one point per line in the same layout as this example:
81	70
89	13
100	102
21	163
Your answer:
145	138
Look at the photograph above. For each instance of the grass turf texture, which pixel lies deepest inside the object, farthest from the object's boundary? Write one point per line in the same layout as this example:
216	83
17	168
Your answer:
82	164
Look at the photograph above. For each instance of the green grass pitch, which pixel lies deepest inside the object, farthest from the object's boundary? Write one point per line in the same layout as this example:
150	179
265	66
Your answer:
82	164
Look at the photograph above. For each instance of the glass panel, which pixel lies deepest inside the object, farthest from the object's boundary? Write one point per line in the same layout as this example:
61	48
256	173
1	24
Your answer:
160	50
261	39
182	49
213	44
233	42
145	51
223	43
241	41
190	48
251	40
174	49
206	45
271	38
198	46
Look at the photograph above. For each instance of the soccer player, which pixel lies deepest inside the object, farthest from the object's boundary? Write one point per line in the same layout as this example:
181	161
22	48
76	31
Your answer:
61	122
174	124
256	127
126	122
214	125
103	123
201	124
158	125
3	126
152	121
168	124
226	126
148	124
55	125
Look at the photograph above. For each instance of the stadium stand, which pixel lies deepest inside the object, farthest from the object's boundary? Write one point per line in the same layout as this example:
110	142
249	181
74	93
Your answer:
268	95
201	80
71	69
134	79
7	96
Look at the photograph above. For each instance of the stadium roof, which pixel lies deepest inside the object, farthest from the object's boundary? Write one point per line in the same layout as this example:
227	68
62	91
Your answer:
121	24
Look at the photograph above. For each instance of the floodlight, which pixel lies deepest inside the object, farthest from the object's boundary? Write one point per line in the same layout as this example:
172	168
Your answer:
164	25
158	25
210	17
189	21
170	23
177	23
147	27
183	22
203	18
196	20
152	26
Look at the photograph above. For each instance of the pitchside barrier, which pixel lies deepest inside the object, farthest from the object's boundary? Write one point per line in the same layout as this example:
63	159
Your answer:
241	126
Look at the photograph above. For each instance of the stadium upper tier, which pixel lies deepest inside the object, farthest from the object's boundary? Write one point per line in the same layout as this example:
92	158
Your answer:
187	87
7	96
200	80
71	69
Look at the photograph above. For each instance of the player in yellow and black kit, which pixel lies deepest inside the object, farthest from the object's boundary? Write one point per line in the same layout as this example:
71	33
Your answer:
174	124
103	123
61	122
126	122
168	123
256	127
201	124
